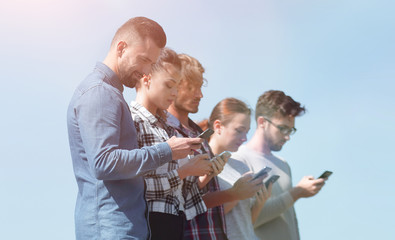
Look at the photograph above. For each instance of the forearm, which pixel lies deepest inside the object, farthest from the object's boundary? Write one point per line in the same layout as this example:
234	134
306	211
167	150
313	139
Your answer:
255	210
296	193
203	180
274	207
213	199
120	164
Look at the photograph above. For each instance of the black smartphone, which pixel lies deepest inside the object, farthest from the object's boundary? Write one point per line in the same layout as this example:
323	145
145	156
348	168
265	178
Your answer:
206	134
272	179
261	173
325	174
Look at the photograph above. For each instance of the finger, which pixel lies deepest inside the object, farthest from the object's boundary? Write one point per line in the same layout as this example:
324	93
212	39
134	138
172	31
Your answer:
258	181
220	161
320	181
215	168
202	157
269	189
217	164
209	170
195	141
247	175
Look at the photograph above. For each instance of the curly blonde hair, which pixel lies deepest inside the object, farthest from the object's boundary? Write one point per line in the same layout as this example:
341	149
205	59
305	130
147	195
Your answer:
192	69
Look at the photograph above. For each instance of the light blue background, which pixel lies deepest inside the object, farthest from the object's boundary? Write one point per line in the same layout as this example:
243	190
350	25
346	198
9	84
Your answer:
336	57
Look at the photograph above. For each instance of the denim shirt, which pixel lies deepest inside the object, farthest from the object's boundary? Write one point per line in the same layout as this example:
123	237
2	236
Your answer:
107	163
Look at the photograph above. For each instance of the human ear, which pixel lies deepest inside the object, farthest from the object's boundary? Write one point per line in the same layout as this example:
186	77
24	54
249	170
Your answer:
121	46
146	80
217	126
260	121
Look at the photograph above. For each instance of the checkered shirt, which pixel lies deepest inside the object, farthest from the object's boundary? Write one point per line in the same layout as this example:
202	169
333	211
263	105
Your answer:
165	192
211	224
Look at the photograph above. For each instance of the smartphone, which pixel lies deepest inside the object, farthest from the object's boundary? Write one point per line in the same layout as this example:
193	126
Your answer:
206	134
261	173
325	174
225	155
272	179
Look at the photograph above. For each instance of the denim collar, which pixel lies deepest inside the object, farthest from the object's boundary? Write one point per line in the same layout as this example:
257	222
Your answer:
111	77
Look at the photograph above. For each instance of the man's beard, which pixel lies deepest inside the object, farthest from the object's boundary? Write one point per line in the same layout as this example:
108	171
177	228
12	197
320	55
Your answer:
275	147
181	106
131	80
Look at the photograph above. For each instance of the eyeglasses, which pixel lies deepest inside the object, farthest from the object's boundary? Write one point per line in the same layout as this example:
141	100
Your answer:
282	129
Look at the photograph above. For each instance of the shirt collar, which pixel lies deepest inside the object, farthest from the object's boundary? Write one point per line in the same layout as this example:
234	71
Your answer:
143	112
175	123
111	77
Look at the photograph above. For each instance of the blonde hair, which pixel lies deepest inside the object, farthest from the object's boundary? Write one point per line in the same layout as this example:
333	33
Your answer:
192	69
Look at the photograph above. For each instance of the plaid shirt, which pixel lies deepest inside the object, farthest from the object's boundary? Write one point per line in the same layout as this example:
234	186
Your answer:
165	192
211	224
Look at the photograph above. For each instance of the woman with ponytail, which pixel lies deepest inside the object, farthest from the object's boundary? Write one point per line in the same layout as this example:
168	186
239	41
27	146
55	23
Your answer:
230	120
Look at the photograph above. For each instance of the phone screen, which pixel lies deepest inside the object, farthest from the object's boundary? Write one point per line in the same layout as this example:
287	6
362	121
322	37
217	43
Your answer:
262	172
272	179
325	174
206	134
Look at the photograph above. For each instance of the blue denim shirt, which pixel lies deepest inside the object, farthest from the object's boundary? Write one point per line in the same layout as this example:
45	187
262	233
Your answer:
107	163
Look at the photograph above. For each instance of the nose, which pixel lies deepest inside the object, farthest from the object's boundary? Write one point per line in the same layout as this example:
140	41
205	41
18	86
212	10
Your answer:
287	137
199	93
244	137
174	92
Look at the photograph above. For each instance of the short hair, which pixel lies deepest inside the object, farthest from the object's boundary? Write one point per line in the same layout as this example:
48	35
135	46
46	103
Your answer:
224	111
274	101
192	69
141	27
167	56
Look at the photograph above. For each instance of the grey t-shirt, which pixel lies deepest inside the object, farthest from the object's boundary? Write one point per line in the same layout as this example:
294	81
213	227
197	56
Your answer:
238	221
277	220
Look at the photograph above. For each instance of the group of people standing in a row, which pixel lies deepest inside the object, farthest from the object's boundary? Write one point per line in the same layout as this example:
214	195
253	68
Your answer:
143	172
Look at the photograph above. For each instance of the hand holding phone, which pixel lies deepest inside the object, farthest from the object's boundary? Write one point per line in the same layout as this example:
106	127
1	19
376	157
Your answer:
219	162
262	172
272	179
206	134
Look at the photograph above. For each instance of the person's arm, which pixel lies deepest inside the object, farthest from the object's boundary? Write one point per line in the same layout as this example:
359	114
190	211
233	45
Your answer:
198	165
98	114
260	198
243	188
274	206
217	167
213	199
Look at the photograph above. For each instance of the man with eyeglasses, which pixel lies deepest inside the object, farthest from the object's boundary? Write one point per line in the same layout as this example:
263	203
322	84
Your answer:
275	115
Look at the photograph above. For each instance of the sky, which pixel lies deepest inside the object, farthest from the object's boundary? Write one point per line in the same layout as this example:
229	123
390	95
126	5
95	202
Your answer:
335	57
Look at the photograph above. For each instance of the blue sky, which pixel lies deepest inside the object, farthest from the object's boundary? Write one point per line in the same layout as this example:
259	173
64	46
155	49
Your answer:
336	57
